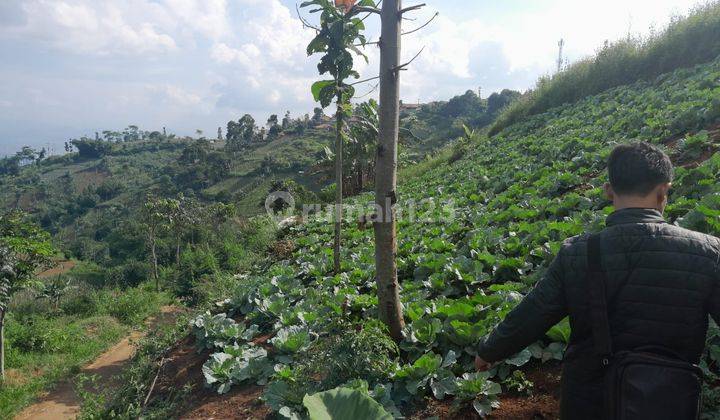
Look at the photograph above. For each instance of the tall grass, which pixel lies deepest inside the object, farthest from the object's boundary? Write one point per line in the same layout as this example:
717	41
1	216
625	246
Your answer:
685	42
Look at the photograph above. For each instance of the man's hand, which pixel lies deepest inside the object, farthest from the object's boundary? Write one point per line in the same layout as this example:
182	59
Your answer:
481	365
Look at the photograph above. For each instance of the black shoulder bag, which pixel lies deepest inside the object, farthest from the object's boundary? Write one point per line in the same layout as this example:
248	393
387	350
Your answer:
646	383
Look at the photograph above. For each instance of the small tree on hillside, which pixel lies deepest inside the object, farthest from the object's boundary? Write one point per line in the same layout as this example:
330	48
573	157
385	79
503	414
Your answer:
154	216
24	248
286	121
337	37
273	127
317	115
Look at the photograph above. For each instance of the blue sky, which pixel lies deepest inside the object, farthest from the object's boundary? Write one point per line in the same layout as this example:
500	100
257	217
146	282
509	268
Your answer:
73	67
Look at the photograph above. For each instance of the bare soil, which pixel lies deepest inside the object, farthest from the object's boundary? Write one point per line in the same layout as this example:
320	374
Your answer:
543	403
63	402
183	368
61	267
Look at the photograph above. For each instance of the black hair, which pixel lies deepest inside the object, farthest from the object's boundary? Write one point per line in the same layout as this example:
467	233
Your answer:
637	168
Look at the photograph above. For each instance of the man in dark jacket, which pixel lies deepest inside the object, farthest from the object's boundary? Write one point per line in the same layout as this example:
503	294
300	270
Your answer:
662	282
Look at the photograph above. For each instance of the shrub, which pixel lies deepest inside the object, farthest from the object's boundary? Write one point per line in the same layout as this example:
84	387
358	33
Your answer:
129	306
195	263
80	304
214	288
352	352
234	256
259	234
38	333
110	188
129	274
88	273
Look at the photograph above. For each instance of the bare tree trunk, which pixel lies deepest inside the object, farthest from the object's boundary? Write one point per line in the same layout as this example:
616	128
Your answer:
2	344
155	264
386	171
338	185
177	251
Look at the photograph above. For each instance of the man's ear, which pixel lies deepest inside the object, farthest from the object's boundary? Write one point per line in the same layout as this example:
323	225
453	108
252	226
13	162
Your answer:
609	193
662	192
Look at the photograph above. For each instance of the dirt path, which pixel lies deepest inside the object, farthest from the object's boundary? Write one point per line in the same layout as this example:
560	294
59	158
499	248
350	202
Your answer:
61	267
63	403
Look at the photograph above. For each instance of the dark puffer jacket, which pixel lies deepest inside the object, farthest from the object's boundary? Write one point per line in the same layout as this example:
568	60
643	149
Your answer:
662	284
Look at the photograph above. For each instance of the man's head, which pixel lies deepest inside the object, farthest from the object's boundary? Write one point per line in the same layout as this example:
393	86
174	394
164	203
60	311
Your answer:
640	176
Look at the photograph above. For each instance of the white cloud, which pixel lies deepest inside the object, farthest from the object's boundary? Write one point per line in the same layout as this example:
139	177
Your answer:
131	27
176	96
90	28
206	17
198	63
266	60
246	55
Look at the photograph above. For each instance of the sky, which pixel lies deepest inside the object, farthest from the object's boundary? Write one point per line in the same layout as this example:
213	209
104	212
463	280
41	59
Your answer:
69	68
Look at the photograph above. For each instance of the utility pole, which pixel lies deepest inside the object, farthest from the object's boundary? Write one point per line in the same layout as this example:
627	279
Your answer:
389	306
561	44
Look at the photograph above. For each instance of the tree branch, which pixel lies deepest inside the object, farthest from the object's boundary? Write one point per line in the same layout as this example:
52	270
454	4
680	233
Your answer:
423	25
305	23
367	43
362	9
363	81
377	7
403	66
411	8
368	92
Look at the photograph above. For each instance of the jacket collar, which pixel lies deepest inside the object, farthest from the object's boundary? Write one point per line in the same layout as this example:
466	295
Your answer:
634	215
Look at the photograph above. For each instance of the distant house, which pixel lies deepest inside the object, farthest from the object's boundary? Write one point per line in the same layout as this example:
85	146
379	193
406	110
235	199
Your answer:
410	106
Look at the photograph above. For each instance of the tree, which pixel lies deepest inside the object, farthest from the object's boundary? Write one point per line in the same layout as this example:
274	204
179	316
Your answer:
317	115
248	128
498	101
286	121
240	133
154	216
24	248
181	214
339	32
388	287
273	127
131	133
91	149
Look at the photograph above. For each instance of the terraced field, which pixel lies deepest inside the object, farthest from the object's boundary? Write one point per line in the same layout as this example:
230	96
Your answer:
481	232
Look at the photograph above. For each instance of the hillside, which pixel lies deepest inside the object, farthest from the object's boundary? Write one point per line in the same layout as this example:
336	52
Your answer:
481	233
79	197
193	201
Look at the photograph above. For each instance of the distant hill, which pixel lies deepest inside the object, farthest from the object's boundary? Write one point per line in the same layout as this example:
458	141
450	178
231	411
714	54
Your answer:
84	196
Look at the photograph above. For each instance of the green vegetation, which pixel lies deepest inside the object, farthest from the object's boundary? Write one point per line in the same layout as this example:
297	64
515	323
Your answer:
107	205
24	248
496	220
44	351
47	342
129	401
154	219
684	43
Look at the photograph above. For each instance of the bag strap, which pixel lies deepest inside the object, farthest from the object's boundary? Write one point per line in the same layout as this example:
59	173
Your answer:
598	300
